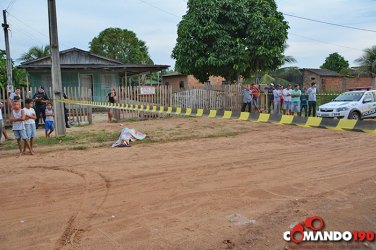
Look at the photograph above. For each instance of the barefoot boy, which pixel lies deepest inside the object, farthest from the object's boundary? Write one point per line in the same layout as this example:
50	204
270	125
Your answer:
49	120
17	119
30	117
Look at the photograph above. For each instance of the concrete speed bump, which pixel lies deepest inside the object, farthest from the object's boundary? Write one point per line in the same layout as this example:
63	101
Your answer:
263	118
287	119
200	112
312	122
212	113
244	116
344	124
227	115
367	126
188	111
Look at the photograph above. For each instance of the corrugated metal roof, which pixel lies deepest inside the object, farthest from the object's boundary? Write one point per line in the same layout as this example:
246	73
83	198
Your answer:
173	74
83	60
323	72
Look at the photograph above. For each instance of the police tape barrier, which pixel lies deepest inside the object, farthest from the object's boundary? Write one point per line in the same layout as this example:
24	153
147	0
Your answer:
367	126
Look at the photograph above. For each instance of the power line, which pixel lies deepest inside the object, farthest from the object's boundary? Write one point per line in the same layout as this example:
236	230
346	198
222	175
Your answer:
333	24
320	41
24	23
10	5
14	18
158	8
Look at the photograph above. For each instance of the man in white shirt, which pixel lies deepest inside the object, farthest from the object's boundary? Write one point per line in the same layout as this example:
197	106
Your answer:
277	93
17	92
312	100
287	100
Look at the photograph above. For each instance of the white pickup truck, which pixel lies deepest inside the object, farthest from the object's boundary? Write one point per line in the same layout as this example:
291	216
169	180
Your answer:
356	105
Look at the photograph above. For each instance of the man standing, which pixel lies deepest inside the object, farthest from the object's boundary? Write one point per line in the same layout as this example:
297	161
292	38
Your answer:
277	99
312	100
295	100
287	100
66	112
16	93
40	100
255	95
270	97
247	99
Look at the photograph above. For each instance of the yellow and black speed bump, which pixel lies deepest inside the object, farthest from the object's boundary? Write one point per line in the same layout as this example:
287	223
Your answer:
367	126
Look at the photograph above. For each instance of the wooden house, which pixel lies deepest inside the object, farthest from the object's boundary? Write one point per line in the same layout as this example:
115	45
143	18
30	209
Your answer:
81	68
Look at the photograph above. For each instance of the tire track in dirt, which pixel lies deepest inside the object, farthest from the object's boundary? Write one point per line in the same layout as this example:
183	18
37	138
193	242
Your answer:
79	222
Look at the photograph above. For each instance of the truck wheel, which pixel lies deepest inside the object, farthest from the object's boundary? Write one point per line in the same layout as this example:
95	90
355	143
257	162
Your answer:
354	115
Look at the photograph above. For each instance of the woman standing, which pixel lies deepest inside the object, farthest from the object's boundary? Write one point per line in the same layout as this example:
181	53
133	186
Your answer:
111	98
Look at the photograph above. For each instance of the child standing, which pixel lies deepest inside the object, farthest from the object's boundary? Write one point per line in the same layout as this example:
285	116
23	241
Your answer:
17	119
49	127
30	117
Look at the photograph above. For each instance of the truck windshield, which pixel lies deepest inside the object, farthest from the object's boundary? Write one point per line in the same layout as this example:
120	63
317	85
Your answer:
350	96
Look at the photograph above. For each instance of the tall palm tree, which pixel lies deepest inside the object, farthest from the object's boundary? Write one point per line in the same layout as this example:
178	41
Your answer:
367	61
35	53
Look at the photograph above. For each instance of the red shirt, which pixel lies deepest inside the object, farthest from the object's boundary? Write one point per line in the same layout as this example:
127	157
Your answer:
255	91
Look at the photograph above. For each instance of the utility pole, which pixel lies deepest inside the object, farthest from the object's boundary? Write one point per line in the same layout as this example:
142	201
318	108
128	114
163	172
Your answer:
55	70
7	51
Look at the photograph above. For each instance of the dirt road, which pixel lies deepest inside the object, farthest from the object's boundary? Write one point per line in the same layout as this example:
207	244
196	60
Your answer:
180	194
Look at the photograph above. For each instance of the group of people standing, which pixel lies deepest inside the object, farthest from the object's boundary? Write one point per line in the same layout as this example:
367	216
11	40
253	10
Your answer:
25	120
290	100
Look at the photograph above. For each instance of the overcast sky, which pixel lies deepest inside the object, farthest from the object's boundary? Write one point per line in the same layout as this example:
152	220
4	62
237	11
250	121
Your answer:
155	22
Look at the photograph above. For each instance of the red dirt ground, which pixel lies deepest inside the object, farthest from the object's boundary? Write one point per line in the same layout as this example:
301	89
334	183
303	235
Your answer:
178	195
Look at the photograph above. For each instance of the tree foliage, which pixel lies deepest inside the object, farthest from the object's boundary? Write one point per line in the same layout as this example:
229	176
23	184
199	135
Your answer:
367	61
230	38
19	75
335	62
35	53
122	45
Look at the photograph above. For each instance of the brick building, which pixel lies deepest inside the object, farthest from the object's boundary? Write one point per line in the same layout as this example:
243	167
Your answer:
328	80
180	81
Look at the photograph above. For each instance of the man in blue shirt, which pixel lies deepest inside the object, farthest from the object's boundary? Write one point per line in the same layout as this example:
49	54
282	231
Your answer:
247	99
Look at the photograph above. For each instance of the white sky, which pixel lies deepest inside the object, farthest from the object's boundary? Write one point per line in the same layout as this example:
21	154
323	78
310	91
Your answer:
155	22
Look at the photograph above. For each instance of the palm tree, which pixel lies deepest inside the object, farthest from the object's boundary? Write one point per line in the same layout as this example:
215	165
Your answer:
288	59
367	61
35	53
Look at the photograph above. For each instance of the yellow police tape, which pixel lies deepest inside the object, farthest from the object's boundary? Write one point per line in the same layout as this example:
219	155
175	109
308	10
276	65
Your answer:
310	122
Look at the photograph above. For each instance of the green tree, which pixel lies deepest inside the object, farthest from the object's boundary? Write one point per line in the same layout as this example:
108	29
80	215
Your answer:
35	53
19	75
122	45
3	69
367	61
230	38
335	62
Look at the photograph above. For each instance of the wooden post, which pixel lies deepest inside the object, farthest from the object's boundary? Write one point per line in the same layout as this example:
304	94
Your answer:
90	109
55	70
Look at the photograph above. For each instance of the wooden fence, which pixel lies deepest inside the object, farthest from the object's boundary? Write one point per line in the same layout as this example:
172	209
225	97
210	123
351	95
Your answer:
218	97
156	95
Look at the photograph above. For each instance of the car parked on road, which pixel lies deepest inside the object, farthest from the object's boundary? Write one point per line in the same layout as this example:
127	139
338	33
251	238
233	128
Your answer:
358	104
